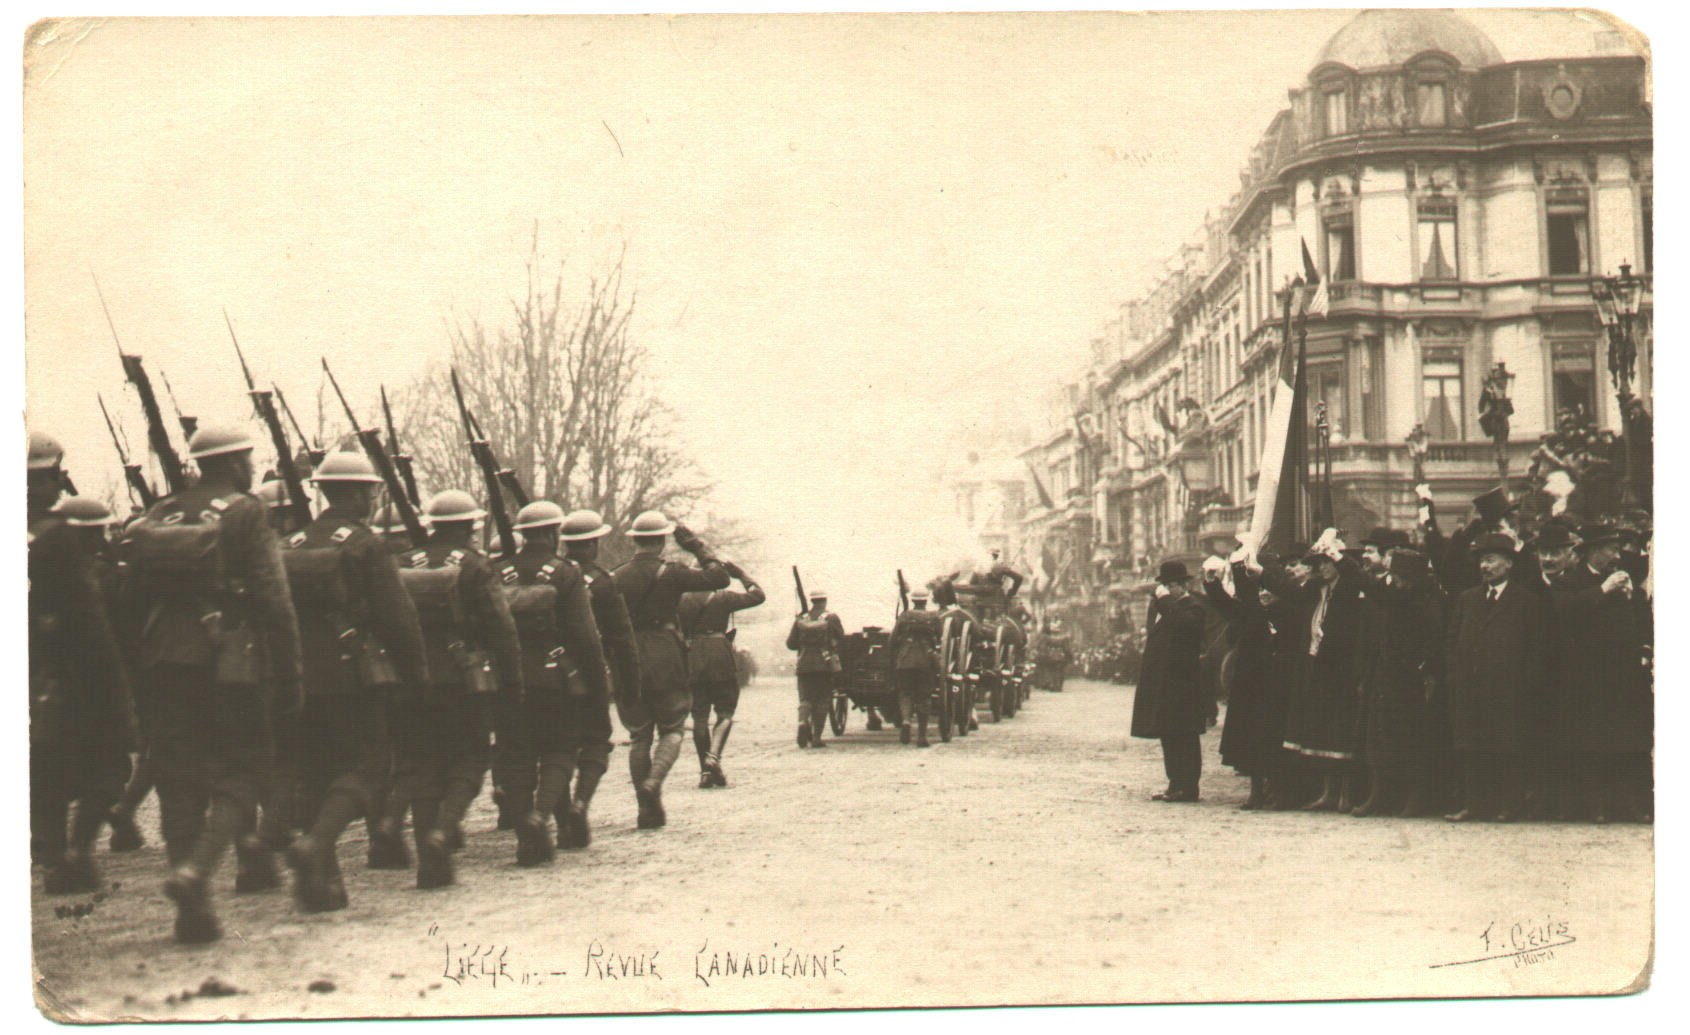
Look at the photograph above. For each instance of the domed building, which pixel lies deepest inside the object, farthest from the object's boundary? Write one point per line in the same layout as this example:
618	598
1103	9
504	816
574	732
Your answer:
1460	206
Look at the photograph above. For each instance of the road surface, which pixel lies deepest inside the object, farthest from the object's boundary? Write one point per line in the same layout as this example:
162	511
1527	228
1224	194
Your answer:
1023	864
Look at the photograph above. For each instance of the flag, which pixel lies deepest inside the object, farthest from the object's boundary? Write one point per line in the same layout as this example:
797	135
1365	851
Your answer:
1317	303
1282	506
1162	419
1039	487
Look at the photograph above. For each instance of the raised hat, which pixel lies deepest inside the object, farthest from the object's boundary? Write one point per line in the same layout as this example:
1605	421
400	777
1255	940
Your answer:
1494	504
651	524
452	505
583	524
83	511
219	440
346	466
1172	571
539	514
45	453
1407	561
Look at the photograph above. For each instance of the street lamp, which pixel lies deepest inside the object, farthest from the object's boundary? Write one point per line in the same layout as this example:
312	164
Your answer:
1617	302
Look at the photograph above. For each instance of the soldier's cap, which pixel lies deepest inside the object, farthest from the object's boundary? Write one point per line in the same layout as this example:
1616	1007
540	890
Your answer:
1494	504
1386	539
650	525
818	594
219	440
919	594
452	505
45	453
1555	536
387	519
1601	535
539	514
346	466
1496	542
83	512
1172	571
583	524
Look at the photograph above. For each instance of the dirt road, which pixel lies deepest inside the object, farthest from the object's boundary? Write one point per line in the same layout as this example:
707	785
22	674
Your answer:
1023	864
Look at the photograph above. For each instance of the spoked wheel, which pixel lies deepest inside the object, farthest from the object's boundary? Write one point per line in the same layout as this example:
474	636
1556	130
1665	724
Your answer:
994	699
945	715
962	705
841	709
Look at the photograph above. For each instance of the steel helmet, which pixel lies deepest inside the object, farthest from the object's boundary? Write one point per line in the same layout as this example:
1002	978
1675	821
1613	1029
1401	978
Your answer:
45	453
83	511
583	524
273	493
346	466
452	505
218	440
386	519
651	524
539	514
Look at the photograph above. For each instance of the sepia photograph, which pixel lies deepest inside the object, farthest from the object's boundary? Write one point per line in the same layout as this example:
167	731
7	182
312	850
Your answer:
588	514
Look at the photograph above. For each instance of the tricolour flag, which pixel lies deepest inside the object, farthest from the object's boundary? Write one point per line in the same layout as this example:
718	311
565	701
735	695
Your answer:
1281	513
1317	302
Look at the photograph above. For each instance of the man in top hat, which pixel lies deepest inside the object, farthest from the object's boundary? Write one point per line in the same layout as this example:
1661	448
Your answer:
914	648
1603	685
712	670
652	589
817	636
1498	666
589	720
1168	705
220	649
81	718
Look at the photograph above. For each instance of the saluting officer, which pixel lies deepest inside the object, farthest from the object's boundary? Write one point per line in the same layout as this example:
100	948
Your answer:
652	589
817	636
363	645
588	744
207	570
712	671
914	647
81	718
473	657
562	663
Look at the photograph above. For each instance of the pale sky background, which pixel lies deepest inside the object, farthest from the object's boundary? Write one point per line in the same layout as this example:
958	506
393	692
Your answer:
851	235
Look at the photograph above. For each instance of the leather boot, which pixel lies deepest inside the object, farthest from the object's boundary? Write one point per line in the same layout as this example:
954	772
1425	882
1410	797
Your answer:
255	866
921	734
434	862
125	835
312	863
718	744
574	830
189	887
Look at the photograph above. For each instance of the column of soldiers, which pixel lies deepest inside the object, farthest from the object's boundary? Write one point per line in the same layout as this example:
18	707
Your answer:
1477	677
277	683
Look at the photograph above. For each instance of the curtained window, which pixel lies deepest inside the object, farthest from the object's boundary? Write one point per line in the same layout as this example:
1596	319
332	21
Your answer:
1575	379
1431	104
1435	239
1568	230
1440	381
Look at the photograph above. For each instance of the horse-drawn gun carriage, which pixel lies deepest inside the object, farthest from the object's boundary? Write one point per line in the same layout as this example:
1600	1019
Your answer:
866	683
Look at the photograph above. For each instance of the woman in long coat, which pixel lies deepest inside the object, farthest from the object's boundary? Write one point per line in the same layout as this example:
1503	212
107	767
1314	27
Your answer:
1398	675
1168	704
1264	627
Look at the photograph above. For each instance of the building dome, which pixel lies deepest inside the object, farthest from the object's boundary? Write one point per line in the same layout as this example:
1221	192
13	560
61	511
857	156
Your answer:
1387	38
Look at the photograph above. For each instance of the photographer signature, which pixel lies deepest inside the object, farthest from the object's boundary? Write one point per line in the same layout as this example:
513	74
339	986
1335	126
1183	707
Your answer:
1526	942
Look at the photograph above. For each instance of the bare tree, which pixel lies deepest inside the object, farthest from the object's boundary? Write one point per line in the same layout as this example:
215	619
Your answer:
559	388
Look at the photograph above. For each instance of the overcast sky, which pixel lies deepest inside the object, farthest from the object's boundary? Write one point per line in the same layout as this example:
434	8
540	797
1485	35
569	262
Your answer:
850	235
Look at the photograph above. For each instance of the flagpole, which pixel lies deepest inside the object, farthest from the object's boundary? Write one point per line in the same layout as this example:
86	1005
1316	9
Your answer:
1278	431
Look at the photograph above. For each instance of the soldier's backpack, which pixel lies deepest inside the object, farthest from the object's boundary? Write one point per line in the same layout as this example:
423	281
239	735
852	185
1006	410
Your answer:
532	599
171	557
816	644
434	585
338	656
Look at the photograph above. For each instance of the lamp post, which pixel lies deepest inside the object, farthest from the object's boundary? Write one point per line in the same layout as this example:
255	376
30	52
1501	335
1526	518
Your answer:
1617	302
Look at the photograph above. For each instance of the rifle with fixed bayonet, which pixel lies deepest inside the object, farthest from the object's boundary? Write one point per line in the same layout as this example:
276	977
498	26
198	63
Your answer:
264	403
158	436
401	459
370	439
314	451
131	472
903	593
507	476
798	583
189	425
483	454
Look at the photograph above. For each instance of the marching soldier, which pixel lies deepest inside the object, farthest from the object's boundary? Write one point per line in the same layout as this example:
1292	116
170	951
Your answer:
652	589
473	659
589	717
206	568
363	645
81	721
914	647
562	664
712	670
816	635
